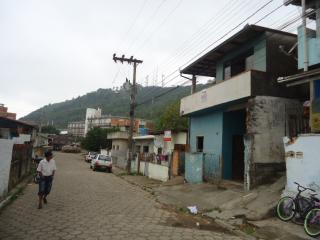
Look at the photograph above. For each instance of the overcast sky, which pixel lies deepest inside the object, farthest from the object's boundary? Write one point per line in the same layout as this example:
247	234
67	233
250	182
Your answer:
53	50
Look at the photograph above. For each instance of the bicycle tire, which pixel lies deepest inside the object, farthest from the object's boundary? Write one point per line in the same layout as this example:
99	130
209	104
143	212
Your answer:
290	211
312	214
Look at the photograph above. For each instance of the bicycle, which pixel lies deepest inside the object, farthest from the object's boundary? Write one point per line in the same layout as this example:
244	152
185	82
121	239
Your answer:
297	208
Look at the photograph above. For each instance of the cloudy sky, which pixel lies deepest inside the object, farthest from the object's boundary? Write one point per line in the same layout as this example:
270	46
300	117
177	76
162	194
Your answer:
53	50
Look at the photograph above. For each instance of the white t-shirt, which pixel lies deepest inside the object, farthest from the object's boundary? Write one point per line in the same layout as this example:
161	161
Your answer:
47	168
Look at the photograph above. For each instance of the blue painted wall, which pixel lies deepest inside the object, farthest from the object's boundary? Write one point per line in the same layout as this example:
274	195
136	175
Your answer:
233	124
259	46
313	48
194	167
210	126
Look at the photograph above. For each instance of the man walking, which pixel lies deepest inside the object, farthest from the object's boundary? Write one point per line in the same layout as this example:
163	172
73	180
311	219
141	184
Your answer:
46	170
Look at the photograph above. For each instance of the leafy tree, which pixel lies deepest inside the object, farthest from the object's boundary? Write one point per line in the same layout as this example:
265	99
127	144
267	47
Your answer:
49	129
96	139
171	119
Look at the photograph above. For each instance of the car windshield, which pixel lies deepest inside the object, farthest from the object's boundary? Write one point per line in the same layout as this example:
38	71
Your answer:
104	158
92	153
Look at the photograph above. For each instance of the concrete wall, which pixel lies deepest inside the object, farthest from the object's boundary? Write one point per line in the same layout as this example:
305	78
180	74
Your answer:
302	163
210	126
267	123
119	157
6	147
151	170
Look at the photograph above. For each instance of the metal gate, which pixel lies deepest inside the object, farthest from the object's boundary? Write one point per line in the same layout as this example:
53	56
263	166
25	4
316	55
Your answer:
20	164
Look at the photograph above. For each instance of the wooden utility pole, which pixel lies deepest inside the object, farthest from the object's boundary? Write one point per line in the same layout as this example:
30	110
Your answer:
133	92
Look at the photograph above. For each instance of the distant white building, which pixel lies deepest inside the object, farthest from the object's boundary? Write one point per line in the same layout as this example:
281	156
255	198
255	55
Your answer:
91	113
76	128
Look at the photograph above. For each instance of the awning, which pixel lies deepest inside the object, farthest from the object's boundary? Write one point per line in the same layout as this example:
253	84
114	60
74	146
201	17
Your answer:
11	123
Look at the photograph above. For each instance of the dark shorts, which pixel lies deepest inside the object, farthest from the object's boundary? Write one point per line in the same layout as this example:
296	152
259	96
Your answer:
45	185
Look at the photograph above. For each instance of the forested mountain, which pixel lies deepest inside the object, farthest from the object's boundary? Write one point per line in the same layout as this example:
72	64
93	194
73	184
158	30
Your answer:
111	102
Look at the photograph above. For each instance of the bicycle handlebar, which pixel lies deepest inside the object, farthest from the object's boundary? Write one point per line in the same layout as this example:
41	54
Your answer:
303	188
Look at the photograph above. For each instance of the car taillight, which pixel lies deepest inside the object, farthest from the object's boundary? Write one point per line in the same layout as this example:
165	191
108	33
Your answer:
97	163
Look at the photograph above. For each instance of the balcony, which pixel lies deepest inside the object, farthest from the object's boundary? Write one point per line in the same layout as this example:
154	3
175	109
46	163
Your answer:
241	86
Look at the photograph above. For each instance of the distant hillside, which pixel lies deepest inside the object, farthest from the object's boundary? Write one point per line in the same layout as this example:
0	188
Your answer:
111	102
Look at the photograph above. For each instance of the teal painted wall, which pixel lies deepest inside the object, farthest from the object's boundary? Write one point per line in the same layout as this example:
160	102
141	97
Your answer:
260	56
234	123
209	125
313	48
217	128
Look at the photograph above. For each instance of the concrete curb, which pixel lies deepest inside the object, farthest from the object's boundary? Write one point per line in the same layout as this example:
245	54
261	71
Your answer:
14	192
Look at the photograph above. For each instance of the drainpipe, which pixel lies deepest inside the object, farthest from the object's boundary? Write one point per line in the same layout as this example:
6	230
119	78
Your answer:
305	55
194	84
305	39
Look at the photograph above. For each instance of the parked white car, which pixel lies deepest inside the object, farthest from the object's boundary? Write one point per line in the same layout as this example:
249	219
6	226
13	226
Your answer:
102	162
90	156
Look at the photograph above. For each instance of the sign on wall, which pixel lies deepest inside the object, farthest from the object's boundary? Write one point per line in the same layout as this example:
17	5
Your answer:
167	136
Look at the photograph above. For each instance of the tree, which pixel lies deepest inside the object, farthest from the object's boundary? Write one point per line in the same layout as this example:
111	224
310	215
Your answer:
171	119
97	139
49	129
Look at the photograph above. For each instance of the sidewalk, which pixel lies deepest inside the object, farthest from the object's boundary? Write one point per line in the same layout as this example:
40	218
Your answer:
251	212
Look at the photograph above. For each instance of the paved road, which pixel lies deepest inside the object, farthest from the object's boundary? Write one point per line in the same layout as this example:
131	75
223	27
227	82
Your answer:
91	205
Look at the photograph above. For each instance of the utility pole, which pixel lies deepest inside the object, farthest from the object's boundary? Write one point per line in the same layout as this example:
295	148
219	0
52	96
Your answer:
132	103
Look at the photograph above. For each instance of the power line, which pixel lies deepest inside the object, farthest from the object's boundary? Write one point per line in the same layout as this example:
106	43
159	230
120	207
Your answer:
159	26
224	35
149	21
281	28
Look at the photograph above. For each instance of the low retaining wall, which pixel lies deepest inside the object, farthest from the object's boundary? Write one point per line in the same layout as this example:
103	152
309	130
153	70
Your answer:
6	147
151	170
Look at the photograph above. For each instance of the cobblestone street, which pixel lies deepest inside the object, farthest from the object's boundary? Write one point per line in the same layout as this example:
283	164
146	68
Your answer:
91	205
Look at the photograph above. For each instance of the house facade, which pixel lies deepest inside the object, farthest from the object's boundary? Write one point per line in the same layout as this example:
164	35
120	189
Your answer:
16	149
237	124
302	161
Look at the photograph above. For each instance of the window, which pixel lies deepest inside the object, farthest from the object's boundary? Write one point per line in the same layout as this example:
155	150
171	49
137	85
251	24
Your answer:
145	149
200	144
227	72
118	147
113	147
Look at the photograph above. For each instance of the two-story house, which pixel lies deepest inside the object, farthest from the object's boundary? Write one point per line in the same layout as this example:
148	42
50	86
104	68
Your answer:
242	117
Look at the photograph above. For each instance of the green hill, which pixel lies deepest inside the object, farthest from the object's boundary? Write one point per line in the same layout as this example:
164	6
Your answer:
111	102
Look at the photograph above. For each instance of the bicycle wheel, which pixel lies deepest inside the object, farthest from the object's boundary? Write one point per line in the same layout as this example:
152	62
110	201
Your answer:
312	223
286	208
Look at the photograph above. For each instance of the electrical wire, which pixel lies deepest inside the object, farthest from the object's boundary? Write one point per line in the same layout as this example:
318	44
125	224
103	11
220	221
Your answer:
283	26
224	35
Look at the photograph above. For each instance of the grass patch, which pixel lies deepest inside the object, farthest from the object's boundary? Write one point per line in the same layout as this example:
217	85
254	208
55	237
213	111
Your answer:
184	210
248	229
